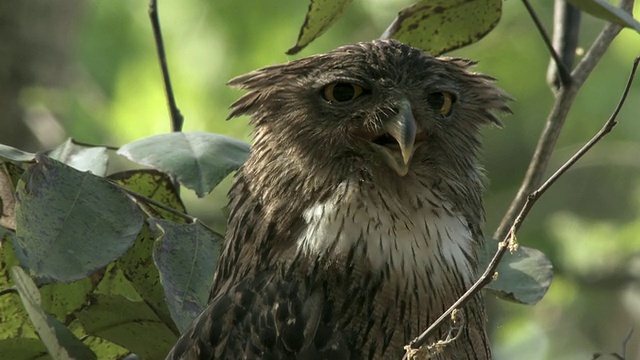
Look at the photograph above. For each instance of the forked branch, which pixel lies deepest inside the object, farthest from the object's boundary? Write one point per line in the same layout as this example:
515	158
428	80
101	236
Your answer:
555	121
509	240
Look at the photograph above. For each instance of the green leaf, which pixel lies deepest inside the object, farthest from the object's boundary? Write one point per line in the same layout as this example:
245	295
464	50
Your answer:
22	348
13	317
154	185
186	256
82	158
138	267
132	325
523	277
604	10
103	348
13	154
70	223
62	299
320	16
137	263
198	160
60	342
439	26
113	282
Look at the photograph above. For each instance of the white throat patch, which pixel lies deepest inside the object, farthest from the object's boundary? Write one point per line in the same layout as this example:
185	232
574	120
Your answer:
407	239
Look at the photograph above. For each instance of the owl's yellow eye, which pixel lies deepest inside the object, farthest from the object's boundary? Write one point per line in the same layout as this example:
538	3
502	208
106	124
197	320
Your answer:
442	102
341	92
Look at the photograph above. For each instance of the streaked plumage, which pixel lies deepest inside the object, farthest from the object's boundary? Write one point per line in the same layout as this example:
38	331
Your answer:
354	224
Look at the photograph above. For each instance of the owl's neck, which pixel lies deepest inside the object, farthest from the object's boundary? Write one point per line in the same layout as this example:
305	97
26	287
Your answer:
418	240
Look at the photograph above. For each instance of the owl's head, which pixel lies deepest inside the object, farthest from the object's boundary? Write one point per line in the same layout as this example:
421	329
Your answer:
380	106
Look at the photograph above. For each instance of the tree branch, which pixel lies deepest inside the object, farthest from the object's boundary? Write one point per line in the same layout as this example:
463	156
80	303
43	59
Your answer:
555	121
563	72
176	117
509	241
566	31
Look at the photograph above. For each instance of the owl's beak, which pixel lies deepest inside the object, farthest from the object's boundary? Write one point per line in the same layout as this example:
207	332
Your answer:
402	128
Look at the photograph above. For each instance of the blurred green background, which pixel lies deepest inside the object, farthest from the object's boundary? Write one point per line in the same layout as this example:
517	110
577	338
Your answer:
89	70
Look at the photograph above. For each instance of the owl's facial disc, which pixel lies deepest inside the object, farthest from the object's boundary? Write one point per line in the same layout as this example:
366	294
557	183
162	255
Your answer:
398	141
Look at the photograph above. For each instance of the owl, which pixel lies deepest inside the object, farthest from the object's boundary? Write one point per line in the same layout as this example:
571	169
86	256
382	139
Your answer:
356	219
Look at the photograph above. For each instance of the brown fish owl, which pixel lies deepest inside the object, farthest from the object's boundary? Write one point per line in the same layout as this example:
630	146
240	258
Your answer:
356	219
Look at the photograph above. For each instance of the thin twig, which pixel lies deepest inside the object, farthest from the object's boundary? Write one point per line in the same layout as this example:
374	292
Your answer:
487	276
625	342
11	290
555	122
565	76
108	147
176	117
148	201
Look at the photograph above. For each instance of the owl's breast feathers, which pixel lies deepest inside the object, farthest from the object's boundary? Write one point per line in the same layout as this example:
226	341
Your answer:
363	276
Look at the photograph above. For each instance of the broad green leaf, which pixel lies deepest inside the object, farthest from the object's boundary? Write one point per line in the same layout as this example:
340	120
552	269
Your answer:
60	342
198	160
82	158
320	16
137	266
137	263
186	256
14	320
103	348
13	154
523	277
113	282
439	26
22	348
71	223
62	299
604	10
132	325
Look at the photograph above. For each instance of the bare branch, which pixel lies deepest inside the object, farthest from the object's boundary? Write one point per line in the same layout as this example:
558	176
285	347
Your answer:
566	30
563	72
176	117
555	121
509	238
